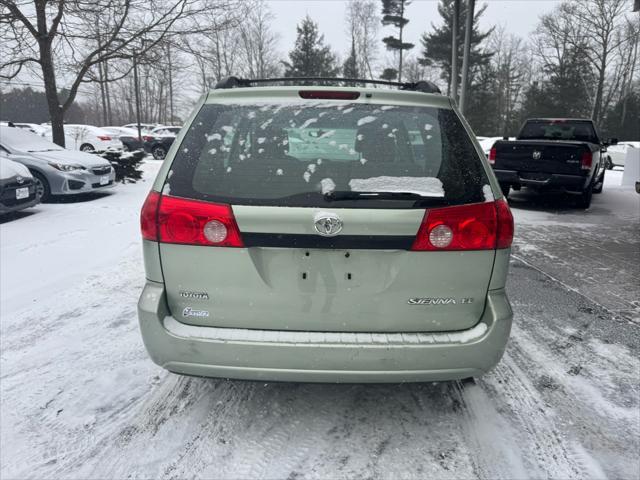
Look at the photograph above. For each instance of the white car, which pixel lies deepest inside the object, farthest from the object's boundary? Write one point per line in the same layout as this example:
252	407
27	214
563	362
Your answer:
487	142
32	127
617	153
145	127
165	130
87	138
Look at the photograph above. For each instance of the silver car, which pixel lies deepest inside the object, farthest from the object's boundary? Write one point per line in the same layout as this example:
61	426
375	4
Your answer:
57	171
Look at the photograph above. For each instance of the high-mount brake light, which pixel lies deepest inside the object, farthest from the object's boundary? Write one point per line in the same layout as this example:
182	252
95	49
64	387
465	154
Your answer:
478	226
328	95
586	161
189	222
492	155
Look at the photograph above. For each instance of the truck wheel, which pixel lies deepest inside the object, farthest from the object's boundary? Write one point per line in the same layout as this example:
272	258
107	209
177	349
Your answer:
505	189
585	197
597	188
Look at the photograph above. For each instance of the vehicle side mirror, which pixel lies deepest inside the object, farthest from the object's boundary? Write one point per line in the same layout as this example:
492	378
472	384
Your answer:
612	141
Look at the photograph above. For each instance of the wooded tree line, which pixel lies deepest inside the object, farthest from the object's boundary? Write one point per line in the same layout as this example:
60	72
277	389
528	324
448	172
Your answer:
582	59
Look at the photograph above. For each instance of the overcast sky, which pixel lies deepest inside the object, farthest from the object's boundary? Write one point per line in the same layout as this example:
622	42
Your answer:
518	16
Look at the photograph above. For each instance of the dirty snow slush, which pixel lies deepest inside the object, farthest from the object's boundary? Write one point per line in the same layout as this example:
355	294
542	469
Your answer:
81	399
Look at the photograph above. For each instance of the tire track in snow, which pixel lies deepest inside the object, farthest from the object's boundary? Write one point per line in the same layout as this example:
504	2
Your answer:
547	450
497	454
593	411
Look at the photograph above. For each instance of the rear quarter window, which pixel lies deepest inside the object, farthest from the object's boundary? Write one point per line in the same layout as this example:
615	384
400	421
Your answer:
292	154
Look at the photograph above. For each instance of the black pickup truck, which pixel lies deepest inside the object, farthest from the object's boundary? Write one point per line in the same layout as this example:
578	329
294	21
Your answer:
553	154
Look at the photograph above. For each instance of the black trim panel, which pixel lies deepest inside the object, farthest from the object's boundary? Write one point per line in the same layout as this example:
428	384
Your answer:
353	242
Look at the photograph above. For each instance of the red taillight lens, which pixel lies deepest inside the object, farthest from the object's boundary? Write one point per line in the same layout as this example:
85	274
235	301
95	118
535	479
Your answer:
492	155
193	222
104	138
328	95
147	138
178	220
586	161
479	226
149	217
505	224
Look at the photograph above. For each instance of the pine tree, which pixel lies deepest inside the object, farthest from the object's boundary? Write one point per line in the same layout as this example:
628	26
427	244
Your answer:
565	93
389	74
393	12
436	46
310	56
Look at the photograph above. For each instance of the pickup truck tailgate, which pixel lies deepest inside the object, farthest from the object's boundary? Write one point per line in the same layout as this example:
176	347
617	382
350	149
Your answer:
540	156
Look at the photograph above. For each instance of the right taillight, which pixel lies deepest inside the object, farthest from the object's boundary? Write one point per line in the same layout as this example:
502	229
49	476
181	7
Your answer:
189	222
147	138
478	226
586	161
492	156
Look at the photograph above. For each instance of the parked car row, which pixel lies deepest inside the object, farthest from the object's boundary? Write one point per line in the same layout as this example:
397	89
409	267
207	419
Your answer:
154	139
35	169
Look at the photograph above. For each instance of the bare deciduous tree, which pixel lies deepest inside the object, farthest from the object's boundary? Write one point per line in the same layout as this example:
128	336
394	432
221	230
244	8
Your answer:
512	66
599	32
363	24
56	39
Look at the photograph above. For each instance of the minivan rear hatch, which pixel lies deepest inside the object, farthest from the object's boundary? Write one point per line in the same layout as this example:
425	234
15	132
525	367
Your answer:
323	203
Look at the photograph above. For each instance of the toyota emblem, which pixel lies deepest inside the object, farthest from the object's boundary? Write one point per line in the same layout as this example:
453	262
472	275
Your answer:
327	224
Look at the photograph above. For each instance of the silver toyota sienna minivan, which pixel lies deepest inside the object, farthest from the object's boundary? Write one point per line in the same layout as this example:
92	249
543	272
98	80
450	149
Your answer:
326	234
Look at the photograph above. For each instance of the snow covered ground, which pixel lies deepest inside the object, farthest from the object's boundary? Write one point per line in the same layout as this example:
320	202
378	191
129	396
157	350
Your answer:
81	399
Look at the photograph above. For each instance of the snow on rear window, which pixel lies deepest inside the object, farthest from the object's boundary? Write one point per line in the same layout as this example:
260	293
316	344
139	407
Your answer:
288	154
425	186
366	120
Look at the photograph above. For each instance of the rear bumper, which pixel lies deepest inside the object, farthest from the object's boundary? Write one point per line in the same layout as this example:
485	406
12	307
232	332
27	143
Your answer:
322	357
574	183
33	200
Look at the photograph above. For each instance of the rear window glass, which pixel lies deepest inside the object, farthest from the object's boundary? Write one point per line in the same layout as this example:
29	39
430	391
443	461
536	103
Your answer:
295	154
559	130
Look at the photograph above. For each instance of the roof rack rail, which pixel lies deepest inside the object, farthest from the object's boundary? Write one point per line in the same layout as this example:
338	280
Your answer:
236	82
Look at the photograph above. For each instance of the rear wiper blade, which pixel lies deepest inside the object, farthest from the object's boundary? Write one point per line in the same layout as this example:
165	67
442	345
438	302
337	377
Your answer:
350	195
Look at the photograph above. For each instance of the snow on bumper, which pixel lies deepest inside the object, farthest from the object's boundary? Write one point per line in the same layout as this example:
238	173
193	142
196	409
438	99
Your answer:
322	356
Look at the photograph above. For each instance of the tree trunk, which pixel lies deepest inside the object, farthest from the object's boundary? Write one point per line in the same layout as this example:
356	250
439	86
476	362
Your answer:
401	29
108	95
56	114
467	52
597	104
453	83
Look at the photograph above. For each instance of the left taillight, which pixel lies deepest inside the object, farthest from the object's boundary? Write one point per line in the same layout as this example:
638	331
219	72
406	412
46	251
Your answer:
189	222
104	138
478	226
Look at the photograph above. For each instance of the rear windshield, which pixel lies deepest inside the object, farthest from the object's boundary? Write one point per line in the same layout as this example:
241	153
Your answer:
295	154
581	131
